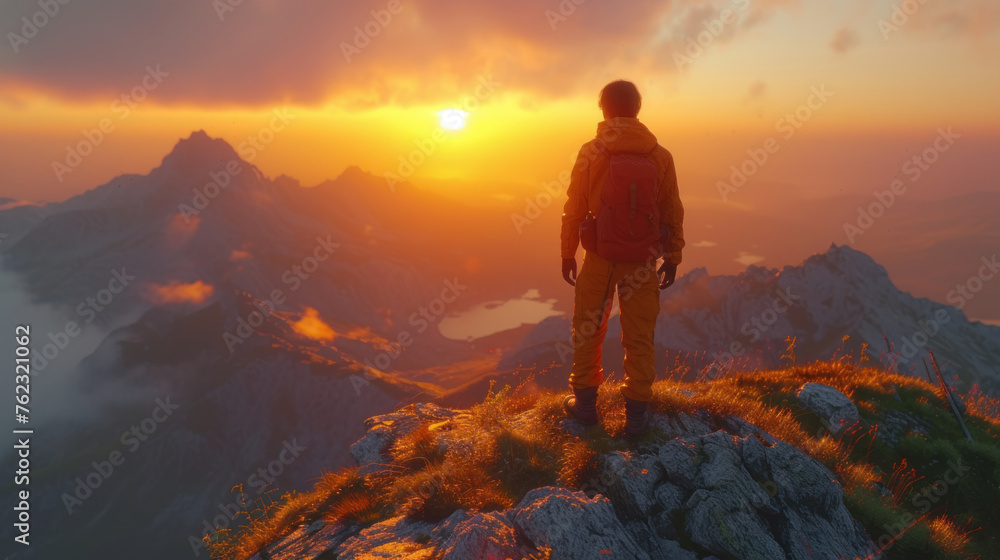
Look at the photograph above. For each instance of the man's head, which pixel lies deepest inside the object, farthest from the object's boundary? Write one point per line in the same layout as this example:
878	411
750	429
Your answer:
620	99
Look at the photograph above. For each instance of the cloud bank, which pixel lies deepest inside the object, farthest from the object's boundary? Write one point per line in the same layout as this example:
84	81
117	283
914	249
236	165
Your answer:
262	52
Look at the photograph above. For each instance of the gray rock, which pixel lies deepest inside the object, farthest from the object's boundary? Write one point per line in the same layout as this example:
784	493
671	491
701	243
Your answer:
740	427
662	525
751	500
674	551
670	497
834	409
679	459
721	522
444	530
397	538
897	424
723	469
802	480
723	513
740	493
307	542
574	526
681	426
657	546
631	481
815	524
486	535
754	456
369	451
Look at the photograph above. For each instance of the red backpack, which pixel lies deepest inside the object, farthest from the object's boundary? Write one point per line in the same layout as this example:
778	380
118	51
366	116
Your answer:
627	225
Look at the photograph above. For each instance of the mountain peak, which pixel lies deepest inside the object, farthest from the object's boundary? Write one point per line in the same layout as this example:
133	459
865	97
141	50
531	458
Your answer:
200	135
352	171
199	150
354	175
849	259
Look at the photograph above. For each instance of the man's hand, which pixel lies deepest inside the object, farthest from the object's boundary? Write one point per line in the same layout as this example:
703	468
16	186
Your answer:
667	274
569	270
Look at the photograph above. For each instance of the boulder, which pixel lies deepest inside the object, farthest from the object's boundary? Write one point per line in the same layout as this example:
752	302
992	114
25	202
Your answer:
574	526
834	409
630	482
484	535
670	497
679	459
657	546
369	451
723	514
396	538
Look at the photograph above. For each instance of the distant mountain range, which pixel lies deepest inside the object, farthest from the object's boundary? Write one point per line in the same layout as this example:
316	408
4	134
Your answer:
711	324
343	265
278	317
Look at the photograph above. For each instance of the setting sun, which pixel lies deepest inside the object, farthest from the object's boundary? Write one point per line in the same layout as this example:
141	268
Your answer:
453	119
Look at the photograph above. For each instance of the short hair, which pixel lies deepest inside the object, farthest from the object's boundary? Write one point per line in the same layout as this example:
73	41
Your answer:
620	99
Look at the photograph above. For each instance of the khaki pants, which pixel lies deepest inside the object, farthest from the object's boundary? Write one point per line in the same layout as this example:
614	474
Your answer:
639	302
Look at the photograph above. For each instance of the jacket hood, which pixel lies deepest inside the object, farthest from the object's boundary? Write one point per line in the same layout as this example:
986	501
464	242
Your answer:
626	135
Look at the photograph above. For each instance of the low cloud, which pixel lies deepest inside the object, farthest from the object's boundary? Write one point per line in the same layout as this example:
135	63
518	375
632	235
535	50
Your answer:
747	259
59	397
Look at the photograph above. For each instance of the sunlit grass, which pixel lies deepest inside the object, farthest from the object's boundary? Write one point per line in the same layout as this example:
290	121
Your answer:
512	442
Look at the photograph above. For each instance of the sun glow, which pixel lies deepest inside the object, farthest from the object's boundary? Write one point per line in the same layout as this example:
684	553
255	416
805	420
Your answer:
453	119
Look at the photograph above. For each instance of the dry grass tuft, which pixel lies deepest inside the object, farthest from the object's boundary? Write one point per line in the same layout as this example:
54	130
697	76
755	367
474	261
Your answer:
948	536
417	449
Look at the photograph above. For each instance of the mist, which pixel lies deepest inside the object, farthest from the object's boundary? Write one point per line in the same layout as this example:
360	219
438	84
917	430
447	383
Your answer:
59	397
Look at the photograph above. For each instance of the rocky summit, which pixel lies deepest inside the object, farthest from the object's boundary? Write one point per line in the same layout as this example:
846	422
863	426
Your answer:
709	487
820	461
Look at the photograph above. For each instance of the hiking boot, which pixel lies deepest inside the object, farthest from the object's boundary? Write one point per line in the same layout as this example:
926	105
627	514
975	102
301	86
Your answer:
636	418
582	405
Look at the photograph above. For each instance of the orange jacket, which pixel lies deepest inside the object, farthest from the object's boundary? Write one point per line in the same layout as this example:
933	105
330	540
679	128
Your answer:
621	135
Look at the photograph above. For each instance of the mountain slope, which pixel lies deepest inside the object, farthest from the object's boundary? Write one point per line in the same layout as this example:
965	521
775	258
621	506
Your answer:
711	324
183	326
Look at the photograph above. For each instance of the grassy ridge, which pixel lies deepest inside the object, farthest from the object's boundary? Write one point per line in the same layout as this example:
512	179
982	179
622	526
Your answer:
930	496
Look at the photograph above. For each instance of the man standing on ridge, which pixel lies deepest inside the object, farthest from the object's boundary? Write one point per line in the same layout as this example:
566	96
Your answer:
625	209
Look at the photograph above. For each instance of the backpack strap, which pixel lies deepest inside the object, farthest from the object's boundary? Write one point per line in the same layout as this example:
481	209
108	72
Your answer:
603	147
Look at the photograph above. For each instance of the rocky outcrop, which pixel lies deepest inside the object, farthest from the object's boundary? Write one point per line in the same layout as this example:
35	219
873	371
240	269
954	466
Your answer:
369	451
708	488
837	412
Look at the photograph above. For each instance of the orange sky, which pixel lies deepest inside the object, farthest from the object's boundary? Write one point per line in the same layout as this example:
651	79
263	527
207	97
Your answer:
527	73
